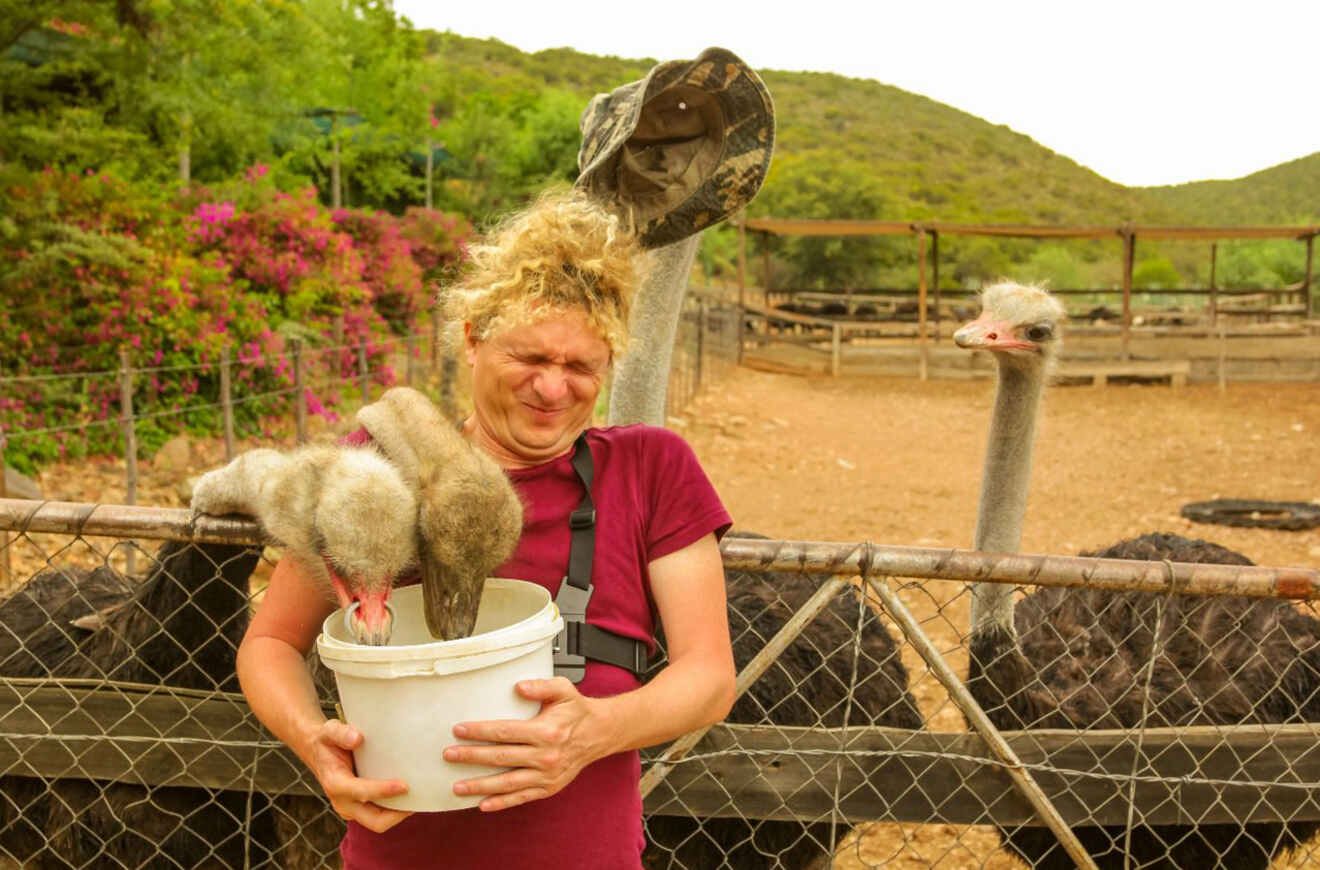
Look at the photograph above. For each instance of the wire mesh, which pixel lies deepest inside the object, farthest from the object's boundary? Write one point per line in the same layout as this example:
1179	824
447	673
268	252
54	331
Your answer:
1168	730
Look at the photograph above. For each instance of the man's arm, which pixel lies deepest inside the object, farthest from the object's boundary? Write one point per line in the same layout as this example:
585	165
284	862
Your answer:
272	670
571	731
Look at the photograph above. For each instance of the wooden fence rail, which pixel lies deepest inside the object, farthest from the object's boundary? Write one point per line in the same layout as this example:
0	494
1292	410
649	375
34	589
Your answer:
152	735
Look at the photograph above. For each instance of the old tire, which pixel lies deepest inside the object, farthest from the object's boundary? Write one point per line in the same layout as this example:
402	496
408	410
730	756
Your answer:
1250	513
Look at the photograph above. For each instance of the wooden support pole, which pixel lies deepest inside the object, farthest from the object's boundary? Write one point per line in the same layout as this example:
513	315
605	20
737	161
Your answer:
835	343
6	571
765	269
742	284
935	277
299	394
363	378
1129	255
130	442
923	365
227	402
1223	361
1214	291
703	323
1306	279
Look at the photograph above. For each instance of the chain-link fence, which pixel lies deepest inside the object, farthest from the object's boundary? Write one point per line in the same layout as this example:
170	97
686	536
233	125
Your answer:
1135	716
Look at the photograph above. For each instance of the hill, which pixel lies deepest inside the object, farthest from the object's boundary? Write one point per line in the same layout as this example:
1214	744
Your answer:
1285	194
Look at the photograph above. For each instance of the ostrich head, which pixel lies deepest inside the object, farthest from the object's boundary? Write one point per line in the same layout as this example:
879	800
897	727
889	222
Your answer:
1019	324
365	525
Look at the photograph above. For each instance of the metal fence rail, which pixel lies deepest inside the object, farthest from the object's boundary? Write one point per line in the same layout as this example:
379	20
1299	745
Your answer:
123	741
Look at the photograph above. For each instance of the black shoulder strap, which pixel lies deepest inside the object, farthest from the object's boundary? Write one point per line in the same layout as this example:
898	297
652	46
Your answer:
582	521
580	640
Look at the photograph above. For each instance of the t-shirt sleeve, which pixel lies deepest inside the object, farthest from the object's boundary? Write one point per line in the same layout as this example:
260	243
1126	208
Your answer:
684	504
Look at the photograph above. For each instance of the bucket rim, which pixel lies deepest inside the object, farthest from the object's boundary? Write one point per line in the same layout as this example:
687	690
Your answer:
541	625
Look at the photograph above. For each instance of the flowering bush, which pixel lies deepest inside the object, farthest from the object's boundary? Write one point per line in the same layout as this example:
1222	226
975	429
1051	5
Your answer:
90	265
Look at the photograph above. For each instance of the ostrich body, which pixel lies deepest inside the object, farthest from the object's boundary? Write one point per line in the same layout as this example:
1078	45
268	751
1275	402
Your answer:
807	685
1066	658
179	627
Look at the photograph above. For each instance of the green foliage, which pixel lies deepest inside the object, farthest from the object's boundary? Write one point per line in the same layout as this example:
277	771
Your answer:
1156	273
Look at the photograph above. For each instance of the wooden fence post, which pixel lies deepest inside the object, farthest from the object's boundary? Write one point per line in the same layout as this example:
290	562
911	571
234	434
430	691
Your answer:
1214	292
226	402
935	277
1129	255
6	573
410	348
1306	278
922	365
299	394
362	370
130	443
835	329
742	282
703	320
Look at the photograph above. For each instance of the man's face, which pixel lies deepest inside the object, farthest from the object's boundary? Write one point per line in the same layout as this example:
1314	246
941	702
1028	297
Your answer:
534	387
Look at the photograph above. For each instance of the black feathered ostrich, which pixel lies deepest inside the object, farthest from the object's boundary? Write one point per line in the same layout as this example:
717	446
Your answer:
1067	658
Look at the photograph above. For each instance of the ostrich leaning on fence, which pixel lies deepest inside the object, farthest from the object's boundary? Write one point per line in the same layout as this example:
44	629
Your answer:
179	628
1077	658
808	685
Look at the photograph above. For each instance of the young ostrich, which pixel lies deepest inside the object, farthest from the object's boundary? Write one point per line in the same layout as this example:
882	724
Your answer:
1066	658
409	494
346	515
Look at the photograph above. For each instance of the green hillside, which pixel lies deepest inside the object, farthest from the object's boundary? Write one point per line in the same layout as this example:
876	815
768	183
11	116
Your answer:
1285	194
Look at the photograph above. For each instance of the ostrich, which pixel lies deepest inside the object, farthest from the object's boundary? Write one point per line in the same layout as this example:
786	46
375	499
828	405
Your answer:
345	515
179	628
800	689
807	685
423	498
1067	658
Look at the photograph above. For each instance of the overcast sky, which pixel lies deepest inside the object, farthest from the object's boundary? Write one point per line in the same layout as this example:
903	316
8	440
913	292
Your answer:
1149	92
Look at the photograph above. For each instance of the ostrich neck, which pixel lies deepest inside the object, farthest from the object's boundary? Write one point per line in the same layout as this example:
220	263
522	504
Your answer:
1004	484
642	375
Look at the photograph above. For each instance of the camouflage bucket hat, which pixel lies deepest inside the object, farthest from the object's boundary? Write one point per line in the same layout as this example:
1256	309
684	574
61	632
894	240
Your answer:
681	149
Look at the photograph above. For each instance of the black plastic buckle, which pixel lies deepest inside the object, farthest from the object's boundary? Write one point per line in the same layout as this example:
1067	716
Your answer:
582	518
572	604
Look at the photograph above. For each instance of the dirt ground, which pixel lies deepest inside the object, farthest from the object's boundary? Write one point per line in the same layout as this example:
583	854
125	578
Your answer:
898	461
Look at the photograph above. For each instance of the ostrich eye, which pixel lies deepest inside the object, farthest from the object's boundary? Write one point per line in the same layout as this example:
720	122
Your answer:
1039	332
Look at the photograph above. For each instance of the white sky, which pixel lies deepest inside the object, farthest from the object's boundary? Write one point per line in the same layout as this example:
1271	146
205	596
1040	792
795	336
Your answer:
1142	91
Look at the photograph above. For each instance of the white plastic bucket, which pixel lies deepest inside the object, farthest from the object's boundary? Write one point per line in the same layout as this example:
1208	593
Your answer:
407	696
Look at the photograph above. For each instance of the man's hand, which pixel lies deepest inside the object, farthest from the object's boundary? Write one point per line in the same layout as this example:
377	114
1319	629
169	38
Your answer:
546	752
331	760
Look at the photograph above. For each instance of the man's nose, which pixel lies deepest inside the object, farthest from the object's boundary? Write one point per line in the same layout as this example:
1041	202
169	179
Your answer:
551	384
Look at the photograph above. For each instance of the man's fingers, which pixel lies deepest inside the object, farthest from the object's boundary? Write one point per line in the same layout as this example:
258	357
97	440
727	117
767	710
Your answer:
378	819
342	734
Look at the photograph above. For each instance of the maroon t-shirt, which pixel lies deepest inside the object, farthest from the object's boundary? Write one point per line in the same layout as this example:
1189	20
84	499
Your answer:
652	498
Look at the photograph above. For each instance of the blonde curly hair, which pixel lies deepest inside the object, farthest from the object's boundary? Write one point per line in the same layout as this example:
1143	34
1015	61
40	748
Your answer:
565	252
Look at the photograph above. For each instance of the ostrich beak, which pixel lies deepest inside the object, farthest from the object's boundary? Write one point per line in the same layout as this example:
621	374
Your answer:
986	333
449	599
372	620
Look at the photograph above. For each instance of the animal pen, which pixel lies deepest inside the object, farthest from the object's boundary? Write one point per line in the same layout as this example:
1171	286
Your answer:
1270	334
175	749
